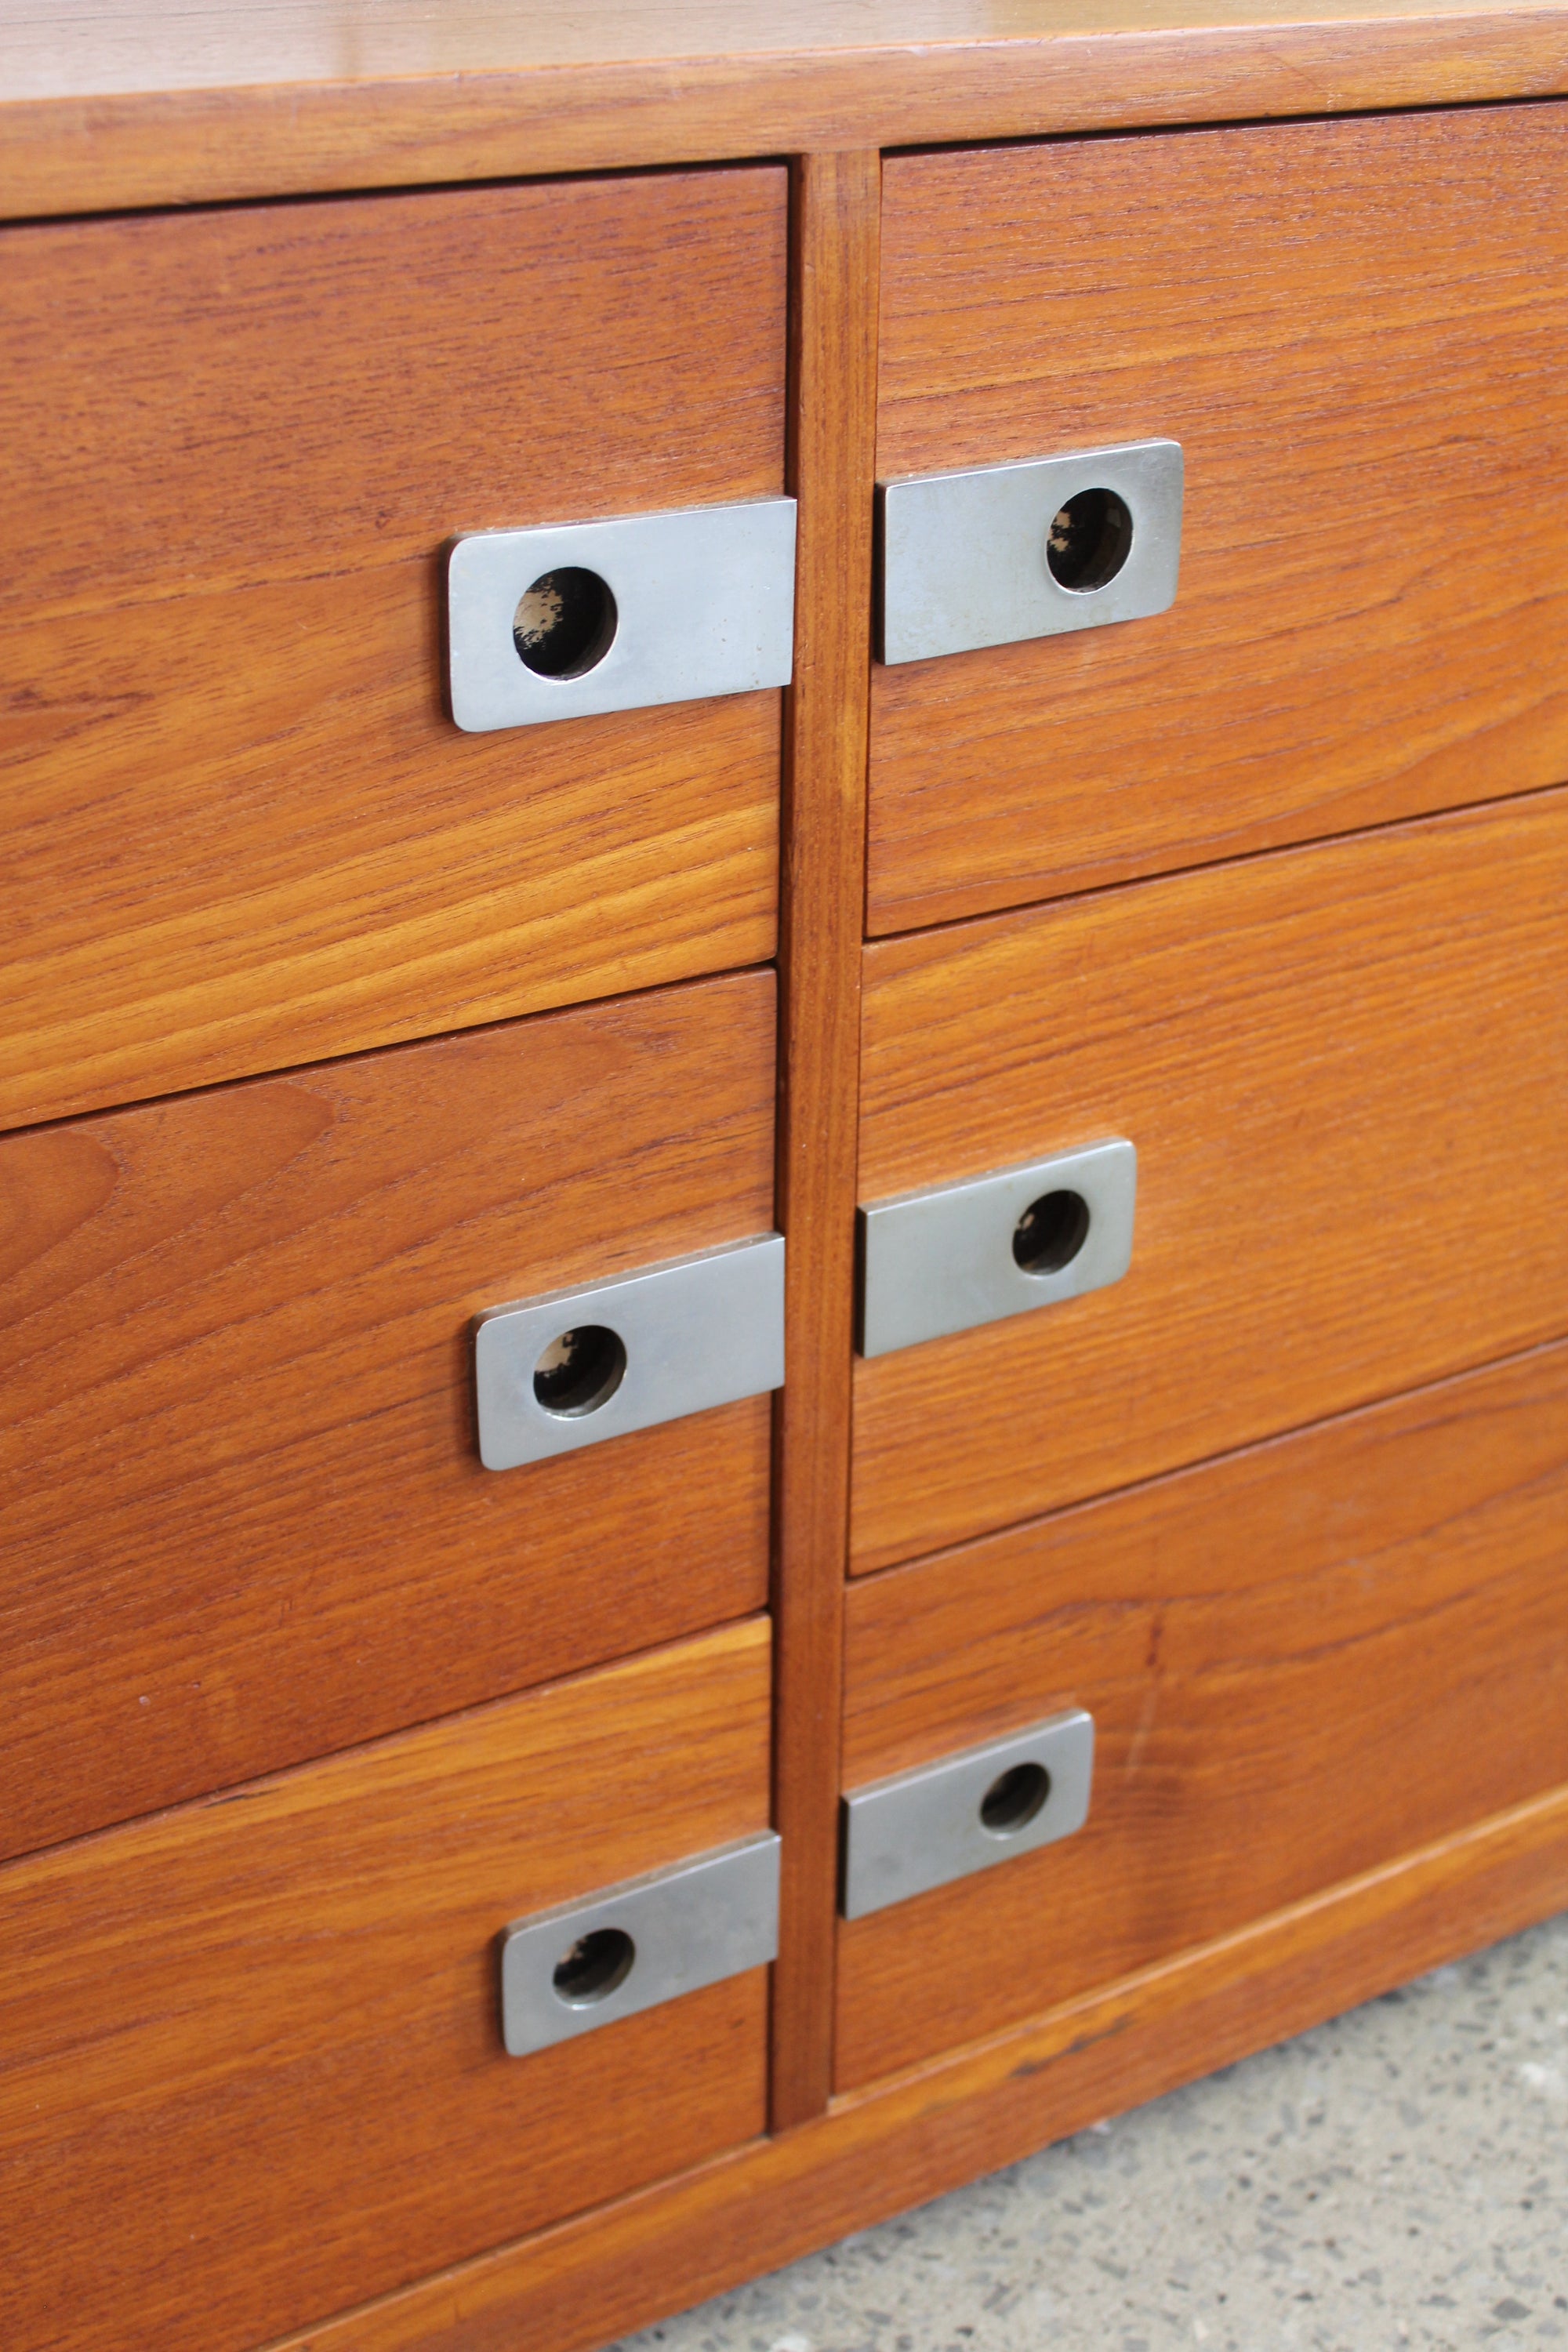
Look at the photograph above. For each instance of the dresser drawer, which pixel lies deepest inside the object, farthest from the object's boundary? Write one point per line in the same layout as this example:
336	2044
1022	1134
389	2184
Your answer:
1302	1661
254	2069
1342	1071
1354	331
247	1520
241	830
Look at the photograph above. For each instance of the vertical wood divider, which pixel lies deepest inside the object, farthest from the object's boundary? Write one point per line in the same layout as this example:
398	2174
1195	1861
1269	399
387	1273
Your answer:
835	226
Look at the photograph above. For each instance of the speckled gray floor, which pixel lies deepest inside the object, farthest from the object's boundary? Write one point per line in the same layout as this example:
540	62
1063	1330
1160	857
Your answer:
1397	2177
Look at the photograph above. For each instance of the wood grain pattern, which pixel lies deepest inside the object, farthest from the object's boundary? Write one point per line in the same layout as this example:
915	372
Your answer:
833	409
1302	1662
246	1521
253	2068
1363	371
239	830
117	106
897	2144
1342	1069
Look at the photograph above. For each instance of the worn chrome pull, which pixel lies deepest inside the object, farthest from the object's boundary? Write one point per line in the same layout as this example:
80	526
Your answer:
964	1253
584	1964
905	1835
998	553
575	619
576	1366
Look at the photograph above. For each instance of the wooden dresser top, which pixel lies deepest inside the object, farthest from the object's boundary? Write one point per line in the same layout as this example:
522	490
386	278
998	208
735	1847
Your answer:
106	104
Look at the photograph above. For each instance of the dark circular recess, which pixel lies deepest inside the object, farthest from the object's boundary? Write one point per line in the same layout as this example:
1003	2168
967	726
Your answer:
594	1967
1050	1233
1089	541
1011	1803
581	1369
565	624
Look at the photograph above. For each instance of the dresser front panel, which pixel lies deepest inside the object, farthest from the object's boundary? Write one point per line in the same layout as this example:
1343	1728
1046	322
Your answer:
246	1521
240	830
1356	330
253	2063
1343	1069
1302	1662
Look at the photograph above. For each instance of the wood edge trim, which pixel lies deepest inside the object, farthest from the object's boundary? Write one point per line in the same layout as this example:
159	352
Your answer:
731	1638
835	216
126	150
1182	1476
879	2151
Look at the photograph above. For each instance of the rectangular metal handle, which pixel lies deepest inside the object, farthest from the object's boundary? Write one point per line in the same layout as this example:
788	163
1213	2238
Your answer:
575	619
970	1252
997	554
583	1965
968	1812
576	1366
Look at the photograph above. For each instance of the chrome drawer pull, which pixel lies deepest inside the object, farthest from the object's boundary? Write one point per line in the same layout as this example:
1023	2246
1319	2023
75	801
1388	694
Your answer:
576	619
999	553
576	1366
631	1947
968	1812
961	1254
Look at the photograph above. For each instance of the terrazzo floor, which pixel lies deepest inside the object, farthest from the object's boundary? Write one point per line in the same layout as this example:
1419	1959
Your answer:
1398	2177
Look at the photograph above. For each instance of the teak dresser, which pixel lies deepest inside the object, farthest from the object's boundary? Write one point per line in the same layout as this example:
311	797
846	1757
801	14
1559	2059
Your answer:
557	729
